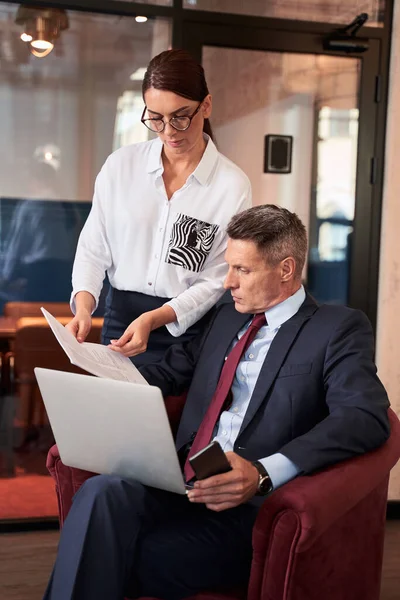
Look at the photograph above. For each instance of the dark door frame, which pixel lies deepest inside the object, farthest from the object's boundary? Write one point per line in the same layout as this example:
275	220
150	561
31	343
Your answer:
362	288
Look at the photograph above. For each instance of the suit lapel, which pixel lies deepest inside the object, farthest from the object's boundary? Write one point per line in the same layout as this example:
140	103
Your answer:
277	353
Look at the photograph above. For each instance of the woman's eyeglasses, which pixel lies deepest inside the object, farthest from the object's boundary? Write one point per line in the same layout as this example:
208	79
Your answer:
178	123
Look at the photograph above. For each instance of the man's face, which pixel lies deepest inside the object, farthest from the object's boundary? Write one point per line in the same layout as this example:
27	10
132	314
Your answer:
255	285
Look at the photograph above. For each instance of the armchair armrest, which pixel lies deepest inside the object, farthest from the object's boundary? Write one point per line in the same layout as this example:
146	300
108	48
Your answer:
67	480
303	514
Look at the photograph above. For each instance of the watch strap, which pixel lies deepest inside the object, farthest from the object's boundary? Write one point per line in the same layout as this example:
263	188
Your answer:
264	481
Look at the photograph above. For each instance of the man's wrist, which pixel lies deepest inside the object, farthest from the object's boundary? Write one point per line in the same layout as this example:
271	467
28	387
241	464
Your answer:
264	484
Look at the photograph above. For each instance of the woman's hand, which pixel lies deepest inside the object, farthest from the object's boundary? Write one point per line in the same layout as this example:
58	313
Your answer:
80	325
135	337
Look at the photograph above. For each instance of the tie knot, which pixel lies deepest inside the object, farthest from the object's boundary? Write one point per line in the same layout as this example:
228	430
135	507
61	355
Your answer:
258	320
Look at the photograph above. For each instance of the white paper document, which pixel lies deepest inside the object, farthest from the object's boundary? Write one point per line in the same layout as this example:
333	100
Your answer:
94	358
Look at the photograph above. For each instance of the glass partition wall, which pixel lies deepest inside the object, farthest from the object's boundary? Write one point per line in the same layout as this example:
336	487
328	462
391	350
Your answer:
313	99
61	116
64	109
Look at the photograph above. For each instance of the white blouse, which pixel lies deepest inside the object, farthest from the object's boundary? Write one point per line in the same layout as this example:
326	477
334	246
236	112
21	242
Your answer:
149	244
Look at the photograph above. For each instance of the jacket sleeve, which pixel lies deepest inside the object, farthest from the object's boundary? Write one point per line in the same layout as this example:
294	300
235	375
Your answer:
356	399
174	372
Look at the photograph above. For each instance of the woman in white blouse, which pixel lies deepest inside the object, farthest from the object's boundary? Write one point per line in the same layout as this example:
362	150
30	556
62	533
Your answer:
158	219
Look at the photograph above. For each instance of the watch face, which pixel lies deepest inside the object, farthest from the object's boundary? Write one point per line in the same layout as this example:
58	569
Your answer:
265	485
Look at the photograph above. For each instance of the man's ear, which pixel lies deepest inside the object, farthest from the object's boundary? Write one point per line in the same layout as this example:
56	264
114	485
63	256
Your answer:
288	268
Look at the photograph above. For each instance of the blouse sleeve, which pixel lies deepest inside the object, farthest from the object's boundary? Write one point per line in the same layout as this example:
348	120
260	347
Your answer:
93	255
193	303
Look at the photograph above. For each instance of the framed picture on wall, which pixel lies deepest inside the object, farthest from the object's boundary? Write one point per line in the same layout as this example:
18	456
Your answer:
278	153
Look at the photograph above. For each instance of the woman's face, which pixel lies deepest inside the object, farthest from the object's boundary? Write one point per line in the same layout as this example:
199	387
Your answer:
165	105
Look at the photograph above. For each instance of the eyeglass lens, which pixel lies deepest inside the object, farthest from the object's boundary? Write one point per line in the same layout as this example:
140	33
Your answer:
158	125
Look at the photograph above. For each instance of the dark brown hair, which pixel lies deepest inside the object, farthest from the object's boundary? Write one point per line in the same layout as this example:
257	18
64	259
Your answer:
277	233
176	71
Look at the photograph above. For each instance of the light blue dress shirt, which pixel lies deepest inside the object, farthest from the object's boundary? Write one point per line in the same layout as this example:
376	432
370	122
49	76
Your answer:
280	469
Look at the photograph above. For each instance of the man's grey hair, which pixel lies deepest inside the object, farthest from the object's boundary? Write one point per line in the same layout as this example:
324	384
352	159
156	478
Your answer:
277	233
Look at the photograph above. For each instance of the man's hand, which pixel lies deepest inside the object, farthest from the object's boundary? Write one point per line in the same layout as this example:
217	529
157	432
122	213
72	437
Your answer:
135	337
228	490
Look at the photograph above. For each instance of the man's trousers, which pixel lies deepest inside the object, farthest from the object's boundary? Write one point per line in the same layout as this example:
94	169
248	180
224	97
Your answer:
122	538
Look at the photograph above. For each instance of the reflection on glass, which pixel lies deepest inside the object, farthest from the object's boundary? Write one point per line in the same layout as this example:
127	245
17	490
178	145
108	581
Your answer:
337	145
40	238
331	11
314	99
61	115
72	100
128	126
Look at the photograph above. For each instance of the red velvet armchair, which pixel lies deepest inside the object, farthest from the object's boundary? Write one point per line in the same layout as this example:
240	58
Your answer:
318	537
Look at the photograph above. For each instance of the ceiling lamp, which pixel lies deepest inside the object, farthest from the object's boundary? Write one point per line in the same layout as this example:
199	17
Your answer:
41	27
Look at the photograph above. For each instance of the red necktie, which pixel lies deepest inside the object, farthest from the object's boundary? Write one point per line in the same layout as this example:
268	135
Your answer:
222	392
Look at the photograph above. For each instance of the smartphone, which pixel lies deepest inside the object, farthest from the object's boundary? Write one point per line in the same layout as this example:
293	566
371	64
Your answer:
210	461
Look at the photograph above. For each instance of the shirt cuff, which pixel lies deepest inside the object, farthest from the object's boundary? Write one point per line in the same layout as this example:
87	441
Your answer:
178	327
72	301
280	469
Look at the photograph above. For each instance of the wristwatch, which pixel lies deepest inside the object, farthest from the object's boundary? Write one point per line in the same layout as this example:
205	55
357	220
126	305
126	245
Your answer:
264	481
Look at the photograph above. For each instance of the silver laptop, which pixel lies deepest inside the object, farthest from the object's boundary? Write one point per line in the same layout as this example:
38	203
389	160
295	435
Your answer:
111	427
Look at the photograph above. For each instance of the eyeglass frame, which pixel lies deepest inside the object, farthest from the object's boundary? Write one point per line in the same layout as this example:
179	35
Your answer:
165	123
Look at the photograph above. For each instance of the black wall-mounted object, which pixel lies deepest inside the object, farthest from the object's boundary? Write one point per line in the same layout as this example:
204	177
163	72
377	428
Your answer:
278	153
344	39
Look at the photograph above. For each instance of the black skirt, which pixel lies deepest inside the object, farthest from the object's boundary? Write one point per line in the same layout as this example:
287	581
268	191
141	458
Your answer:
124	307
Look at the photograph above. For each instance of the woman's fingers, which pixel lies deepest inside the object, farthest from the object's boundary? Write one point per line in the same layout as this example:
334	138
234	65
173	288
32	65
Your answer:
135	337
80	327
83	329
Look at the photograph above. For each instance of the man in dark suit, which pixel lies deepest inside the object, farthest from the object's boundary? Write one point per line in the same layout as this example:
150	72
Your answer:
303	394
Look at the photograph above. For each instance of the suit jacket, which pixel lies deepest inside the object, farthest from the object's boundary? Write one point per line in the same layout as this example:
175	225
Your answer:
317	399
